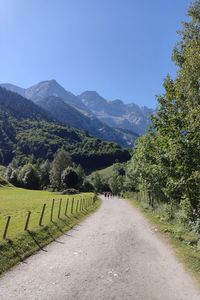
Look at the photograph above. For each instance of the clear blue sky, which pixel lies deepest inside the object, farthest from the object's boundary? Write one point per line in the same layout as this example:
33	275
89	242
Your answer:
120	48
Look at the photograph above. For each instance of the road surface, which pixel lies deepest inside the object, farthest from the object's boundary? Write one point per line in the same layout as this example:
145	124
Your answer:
114	254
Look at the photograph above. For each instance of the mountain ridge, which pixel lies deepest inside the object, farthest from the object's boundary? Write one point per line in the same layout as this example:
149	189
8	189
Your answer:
111	114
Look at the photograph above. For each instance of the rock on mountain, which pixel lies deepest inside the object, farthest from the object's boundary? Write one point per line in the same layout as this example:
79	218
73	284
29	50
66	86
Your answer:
108	120
68	115
116	113
45	89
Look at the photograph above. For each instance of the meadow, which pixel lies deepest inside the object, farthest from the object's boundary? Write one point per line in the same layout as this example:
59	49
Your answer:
16	202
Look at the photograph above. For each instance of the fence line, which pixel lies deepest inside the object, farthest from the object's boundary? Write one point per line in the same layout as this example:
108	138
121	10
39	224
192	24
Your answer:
77	205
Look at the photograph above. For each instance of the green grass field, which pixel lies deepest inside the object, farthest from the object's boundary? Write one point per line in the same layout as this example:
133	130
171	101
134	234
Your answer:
16	202
106	172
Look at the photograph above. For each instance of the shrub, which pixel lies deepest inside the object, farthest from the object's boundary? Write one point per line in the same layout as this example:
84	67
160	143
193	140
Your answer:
70	192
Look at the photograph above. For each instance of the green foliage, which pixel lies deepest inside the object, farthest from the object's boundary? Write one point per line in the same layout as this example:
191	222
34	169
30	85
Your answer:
61	161
185	211
116	181
44	171
69	178
3	182
96	182
109	179
166	161
29	177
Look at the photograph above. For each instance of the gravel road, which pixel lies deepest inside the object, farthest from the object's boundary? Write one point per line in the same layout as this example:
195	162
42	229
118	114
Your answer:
114	254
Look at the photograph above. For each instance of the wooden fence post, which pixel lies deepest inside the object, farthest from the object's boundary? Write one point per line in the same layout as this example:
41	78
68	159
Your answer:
59	210
52	207
77	205
6	227
27	221
42	214
72	207
66	207
81	204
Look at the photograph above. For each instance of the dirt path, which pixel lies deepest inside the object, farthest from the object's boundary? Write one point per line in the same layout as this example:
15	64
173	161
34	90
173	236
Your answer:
114	254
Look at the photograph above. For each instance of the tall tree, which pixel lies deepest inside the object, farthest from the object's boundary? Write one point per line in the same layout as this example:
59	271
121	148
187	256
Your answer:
166	161
61	161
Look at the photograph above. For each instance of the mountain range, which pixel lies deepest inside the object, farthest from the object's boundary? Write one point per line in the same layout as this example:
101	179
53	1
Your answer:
108	120
28	132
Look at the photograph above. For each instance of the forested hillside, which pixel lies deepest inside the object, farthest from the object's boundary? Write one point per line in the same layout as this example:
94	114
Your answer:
27	131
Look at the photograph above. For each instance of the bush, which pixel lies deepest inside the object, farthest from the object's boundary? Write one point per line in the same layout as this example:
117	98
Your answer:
3	182
70	192
69	178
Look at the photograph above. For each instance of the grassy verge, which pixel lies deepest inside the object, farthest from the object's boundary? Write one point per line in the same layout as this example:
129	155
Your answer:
185	242
21	244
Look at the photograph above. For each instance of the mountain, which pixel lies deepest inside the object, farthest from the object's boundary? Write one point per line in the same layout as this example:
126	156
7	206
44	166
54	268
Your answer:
69	109
27	130
45	89
68	115
14	88
52	88
116	113
109	120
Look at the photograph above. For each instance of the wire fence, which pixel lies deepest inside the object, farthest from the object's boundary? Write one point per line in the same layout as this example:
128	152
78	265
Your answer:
21	221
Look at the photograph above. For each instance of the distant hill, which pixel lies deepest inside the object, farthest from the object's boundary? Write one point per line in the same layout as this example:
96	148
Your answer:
26	129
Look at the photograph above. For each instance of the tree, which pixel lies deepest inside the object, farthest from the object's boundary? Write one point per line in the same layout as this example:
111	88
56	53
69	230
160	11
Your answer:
69	178
166	161
116	181
81	175
29	177
61	161
96	181
44	170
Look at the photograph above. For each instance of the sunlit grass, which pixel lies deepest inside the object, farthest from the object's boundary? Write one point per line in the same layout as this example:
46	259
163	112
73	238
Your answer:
16	202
